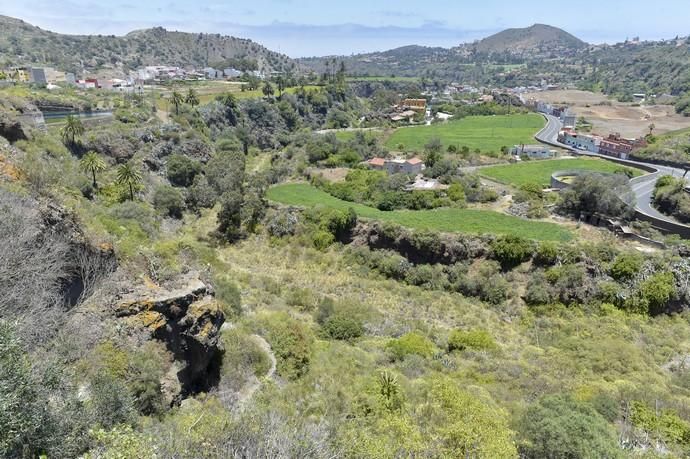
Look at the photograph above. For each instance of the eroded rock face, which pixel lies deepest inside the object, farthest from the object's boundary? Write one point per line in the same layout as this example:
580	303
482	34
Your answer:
11	129
188	321
421	247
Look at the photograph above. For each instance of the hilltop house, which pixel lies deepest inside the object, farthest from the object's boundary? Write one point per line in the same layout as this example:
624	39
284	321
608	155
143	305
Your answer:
397	165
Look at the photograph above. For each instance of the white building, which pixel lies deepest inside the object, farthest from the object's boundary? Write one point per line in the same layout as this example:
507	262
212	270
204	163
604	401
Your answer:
533	151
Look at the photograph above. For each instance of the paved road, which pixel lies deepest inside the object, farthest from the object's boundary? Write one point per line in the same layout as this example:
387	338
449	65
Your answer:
642	187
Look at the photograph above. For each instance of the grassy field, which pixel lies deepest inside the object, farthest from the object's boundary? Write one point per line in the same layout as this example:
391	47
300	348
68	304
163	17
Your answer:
207	91
488	133
540	171
444	220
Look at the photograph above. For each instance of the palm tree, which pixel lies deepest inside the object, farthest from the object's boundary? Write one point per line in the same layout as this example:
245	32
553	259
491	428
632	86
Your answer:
73	128
92	163
128	175
192	99
268	89
176	99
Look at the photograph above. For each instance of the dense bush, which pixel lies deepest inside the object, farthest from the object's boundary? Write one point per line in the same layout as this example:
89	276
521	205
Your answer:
511	251
479	340
609	195
626	266
291	342
343	326
657	291
168	201
670	197
182	170
560	427
410	344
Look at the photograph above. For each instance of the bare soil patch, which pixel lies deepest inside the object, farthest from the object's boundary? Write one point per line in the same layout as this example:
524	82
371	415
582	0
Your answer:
608	115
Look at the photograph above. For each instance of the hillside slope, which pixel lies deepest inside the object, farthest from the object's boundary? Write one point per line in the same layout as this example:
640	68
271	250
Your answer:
509	47
23	43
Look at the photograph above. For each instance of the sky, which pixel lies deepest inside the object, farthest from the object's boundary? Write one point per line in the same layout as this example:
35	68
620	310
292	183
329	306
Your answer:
302	28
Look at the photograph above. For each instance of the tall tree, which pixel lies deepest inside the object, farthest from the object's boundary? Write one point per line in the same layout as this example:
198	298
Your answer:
129	176
177	100
72	130
192	99
244	136
92	163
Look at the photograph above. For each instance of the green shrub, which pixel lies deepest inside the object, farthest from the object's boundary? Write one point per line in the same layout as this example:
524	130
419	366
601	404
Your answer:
291	342
538	291
511	251
322	239
665	425
626	266
479	340
182	170
242	352
410	344
301	298
168	201
343	326
658	291
546	254
560	427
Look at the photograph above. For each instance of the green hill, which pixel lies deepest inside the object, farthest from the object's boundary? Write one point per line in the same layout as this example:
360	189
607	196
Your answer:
536	39
23	43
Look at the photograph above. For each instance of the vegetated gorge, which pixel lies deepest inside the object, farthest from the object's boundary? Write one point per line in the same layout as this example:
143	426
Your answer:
237	277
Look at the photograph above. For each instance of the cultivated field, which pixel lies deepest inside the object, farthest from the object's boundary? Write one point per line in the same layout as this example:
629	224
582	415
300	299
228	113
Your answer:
444	220
487	133
608	115
540	171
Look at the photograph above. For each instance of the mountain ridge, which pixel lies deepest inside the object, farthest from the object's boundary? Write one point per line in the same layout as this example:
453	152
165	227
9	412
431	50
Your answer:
22	43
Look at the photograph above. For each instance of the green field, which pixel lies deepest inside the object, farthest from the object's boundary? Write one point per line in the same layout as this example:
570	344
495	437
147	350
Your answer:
488	133
444	220
540	171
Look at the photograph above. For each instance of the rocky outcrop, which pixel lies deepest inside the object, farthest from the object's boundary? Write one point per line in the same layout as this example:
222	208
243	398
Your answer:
188	321
421	246
11	128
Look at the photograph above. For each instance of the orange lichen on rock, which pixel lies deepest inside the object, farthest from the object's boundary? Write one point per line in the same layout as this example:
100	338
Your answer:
9	170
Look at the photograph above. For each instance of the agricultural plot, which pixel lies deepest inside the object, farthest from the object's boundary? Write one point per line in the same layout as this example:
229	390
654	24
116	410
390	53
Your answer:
486	133
444	220
540	171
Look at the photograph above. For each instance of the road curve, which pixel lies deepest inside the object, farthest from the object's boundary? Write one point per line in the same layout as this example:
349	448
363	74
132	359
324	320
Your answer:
642	187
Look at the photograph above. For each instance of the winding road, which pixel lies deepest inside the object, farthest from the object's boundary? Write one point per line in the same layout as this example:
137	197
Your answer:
642	187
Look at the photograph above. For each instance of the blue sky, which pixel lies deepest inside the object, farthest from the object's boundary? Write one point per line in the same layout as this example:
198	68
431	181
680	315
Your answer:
312	27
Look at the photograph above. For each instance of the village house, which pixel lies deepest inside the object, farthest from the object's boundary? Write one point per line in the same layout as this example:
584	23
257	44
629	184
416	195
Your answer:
619	147
407	115
423	184
580	141
532	151
397	165
417	105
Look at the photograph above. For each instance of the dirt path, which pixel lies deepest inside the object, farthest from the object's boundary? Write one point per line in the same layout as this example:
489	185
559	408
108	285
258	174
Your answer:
255	384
